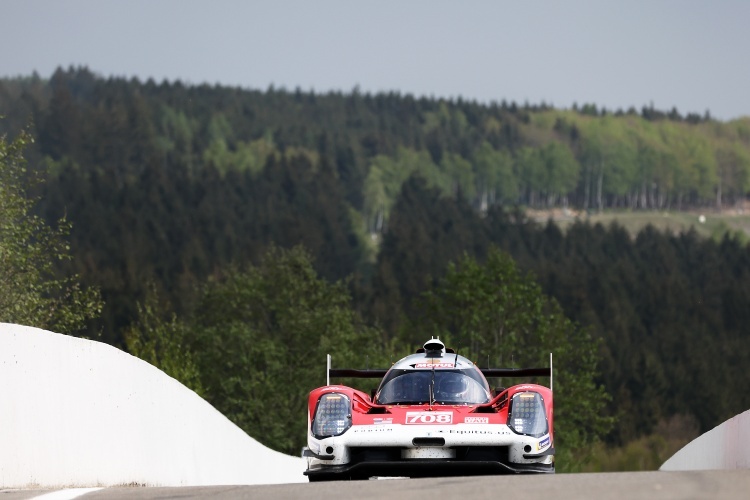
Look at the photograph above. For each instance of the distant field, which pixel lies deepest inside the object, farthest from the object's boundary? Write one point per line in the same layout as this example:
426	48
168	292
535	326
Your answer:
710	224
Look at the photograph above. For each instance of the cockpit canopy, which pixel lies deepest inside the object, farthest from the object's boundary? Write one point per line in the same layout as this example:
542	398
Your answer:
442	386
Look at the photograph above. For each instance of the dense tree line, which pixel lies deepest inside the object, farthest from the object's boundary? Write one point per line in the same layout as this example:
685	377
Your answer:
168	186
494	153
671	310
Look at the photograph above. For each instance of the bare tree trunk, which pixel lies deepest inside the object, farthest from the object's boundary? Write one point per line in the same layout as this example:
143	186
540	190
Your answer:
498	338
380	224
718	194
586	188
599	187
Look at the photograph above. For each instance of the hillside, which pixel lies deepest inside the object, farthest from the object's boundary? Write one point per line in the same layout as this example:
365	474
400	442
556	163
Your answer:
172	188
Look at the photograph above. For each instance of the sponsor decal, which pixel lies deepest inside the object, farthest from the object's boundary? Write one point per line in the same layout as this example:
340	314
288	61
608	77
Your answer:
380	421
476	420
482	432
434	364
429	417
368	429
543	443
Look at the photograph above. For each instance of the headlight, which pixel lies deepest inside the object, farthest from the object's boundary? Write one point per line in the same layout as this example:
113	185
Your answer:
333	415
527	415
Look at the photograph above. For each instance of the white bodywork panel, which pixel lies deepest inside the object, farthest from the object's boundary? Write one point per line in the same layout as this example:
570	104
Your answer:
401	436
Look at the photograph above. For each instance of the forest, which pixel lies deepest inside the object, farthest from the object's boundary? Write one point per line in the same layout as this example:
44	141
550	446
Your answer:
180	202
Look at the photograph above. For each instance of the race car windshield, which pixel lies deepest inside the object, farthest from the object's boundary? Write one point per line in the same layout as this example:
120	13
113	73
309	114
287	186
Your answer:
449	387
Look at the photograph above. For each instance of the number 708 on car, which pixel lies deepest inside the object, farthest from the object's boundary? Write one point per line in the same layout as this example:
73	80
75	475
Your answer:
429	417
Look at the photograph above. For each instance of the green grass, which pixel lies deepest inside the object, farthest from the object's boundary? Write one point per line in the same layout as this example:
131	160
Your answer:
714	224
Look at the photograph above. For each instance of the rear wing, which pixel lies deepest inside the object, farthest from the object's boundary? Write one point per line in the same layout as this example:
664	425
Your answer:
351	372
487	372
516	372
521	372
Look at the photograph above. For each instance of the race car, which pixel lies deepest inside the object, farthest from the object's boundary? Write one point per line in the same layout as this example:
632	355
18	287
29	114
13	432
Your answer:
433	414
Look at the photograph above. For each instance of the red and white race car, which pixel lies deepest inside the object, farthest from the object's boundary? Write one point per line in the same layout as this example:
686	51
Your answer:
433	414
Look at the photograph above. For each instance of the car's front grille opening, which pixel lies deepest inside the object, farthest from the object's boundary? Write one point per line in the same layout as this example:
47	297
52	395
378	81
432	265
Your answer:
386	454
428	441
483	453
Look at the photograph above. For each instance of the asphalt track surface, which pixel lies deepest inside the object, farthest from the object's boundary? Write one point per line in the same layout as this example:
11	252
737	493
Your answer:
615	485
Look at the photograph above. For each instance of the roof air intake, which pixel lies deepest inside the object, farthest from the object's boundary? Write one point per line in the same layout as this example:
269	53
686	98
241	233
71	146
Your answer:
434	345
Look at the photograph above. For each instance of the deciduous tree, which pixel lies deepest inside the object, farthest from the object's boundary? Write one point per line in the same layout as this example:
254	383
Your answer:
31	291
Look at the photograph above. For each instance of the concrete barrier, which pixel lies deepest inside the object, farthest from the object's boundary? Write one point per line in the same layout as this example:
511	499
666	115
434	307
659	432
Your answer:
726	446
79	413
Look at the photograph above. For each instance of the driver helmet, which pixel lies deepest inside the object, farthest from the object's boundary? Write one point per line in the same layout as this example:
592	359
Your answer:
453	387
